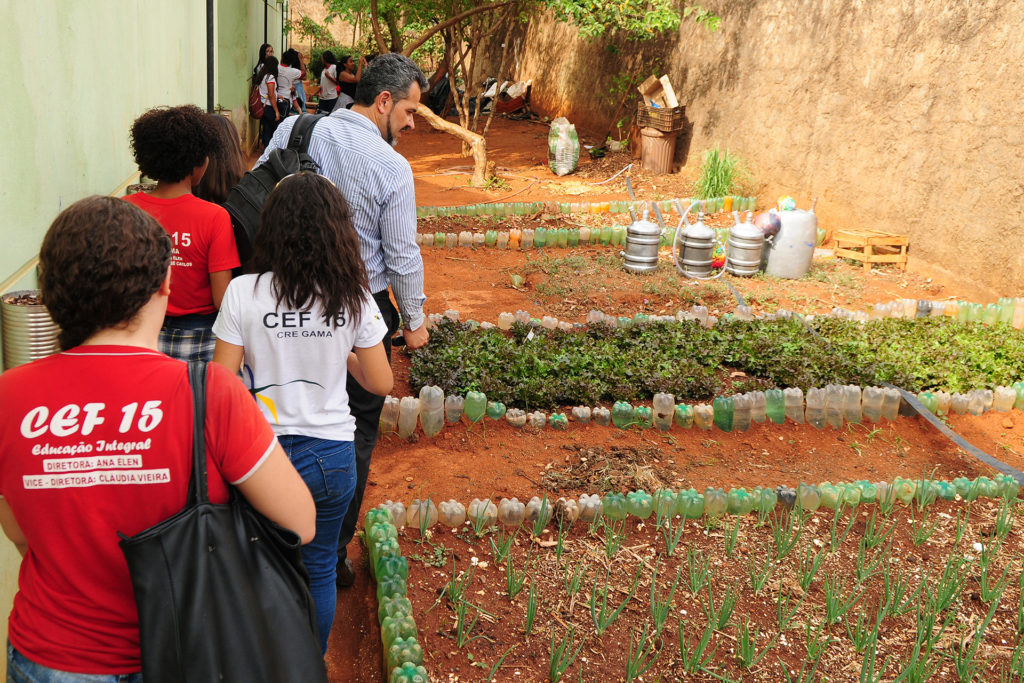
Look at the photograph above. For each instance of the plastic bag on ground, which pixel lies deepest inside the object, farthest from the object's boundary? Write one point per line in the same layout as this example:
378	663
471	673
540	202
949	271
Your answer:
563	147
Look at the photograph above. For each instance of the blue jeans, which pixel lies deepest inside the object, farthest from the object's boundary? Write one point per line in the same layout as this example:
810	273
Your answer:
21	669
329	470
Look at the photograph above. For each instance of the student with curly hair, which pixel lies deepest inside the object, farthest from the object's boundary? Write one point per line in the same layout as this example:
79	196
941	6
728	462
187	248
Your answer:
173	145
105	275
302	323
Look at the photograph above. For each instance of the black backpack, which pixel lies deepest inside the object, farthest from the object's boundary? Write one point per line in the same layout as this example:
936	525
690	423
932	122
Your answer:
245	200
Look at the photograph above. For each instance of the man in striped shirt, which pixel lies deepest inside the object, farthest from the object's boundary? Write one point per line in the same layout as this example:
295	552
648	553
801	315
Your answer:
354	148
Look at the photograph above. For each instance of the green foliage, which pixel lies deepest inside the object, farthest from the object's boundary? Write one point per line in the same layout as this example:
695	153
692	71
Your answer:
636	19
318	34
603	364
720	174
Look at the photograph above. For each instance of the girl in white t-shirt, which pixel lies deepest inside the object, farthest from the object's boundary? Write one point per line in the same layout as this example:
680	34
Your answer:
297	327
267	79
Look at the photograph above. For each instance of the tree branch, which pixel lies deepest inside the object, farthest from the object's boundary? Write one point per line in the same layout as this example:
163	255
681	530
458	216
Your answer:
378	36
475	142
429	33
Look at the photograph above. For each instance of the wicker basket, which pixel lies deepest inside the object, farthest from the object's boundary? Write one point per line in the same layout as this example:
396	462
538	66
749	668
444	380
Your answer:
664	119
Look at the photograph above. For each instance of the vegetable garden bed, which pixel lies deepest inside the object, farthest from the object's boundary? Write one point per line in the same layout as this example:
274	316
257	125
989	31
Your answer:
872	592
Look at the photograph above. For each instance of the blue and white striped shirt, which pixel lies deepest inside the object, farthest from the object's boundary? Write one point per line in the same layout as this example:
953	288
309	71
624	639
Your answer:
377	183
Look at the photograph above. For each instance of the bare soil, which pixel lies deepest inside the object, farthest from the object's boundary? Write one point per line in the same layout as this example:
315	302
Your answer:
496	460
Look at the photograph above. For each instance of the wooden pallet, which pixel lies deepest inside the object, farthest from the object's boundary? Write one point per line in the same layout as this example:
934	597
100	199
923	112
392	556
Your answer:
872	246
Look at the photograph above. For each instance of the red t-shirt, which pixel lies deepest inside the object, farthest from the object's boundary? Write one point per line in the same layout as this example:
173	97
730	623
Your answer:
95	441
204	243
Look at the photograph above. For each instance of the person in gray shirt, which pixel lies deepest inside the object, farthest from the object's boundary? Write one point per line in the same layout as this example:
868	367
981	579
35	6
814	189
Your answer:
354	148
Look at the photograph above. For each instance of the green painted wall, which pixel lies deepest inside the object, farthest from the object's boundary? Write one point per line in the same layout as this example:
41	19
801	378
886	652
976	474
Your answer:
85	71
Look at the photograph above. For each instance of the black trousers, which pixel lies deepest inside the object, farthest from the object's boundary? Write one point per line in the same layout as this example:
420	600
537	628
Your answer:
365	409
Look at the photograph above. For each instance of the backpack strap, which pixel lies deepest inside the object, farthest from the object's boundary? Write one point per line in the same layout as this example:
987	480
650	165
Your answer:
302	131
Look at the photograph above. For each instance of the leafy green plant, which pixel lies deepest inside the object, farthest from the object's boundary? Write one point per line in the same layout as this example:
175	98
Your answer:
808	567
599	603
642	655
897	598
514	580
837	535
531	607
746	649
696	657
964	656
838	600
562	654
719	173
816	640
922	531
759	572
574	578
784	612
614	537
721	615
501	545
670	535
731	538
876	533
464	625
698	566
660	608
786	530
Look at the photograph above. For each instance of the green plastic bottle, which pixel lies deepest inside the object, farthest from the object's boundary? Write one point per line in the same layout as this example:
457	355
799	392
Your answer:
390	586
491	238
388	548
438	239
716	503
849	494
595	235
409	673
606	234
558	421
624	322
540	237
987	488
963	486
404	650
690	504
496	410
903	490
644	416
765	500
723	413
1008	486
829	495
394	606
393	566
399	626
739	502
622	414
1019	388
476	406
929	400
684	416
613	506
618	235
946	490
665	503
574	237
563	237
775	405
639	504
869	492
381	532
375	516
807	497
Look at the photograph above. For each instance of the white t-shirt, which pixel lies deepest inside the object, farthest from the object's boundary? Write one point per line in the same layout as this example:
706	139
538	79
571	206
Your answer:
295	364
264	91
328	90
286	76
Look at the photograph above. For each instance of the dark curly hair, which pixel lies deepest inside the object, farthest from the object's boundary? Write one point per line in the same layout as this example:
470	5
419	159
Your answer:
227	165
170	142
307	242
100	262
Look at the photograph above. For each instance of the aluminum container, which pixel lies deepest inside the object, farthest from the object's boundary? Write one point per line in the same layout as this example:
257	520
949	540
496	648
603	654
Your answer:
29	332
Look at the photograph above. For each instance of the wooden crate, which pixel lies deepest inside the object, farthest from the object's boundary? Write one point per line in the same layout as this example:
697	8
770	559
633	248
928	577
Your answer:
872	246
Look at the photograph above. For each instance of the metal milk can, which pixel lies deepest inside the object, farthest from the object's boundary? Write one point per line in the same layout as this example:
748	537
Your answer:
746	246
698	243
642	241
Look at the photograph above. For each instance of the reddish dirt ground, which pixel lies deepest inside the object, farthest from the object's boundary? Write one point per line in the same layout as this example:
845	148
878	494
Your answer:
498	460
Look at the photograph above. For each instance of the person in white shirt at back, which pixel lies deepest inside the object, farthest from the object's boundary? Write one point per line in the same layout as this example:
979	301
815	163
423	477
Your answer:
288	74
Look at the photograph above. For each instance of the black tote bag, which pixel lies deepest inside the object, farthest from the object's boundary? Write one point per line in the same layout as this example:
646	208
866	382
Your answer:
222	592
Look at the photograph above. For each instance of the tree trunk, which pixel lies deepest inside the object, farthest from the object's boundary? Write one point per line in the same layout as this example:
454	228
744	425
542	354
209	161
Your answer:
501	71
395	31
475	142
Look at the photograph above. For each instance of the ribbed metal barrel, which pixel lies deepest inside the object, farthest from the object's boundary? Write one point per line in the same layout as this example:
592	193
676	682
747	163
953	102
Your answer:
695	253
29	332
746	247
642	241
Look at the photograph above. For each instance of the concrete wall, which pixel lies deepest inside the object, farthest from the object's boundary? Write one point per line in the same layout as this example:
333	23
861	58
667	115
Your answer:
83	71
898	116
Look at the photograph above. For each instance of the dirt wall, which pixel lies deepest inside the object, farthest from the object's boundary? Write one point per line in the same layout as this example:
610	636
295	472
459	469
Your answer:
903	117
